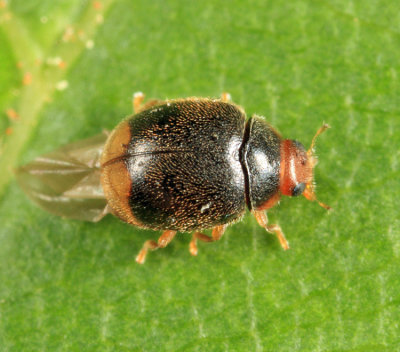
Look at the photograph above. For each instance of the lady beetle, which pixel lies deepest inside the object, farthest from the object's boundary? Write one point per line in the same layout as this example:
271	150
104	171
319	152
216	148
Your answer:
178	166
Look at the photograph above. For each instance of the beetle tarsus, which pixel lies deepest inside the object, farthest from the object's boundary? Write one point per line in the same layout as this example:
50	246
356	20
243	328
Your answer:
226	97
262	220
216	235
166	237
139	105
137	101
281	237
141	257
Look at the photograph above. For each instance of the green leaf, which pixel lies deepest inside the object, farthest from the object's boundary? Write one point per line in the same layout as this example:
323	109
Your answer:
73	286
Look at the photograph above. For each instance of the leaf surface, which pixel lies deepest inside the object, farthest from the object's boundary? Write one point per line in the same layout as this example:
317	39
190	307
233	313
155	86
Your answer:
68	70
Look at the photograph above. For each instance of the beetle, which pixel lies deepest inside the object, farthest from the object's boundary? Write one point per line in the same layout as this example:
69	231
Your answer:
180	165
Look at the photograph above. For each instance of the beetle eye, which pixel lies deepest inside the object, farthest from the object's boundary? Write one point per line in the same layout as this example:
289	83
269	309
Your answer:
298	189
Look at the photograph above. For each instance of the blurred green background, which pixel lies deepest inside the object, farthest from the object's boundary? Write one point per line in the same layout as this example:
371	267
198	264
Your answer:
68	69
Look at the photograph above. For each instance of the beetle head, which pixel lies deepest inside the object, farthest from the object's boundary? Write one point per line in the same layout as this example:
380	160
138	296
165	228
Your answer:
297	165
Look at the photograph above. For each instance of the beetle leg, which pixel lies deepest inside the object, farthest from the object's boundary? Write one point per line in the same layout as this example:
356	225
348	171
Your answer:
262	220
138	105
217	233
226	97
137	101
166	237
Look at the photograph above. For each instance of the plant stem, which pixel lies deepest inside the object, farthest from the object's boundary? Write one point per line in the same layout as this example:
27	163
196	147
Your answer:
44	78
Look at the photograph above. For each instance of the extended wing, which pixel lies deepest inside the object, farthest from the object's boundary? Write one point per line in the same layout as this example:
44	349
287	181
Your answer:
66	182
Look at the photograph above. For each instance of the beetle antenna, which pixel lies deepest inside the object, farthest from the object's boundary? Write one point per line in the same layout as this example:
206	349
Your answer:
310	195
323	205
322	129
309	191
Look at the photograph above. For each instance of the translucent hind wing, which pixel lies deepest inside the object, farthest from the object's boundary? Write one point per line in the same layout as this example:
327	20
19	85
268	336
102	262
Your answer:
66	182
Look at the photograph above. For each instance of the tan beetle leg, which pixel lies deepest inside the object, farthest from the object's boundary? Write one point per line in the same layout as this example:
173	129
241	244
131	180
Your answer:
226	97
217	233
262	220
166	237
137	101
138	105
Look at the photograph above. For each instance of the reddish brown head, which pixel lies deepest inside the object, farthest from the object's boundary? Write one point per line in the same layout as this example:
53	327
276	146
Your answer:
297	165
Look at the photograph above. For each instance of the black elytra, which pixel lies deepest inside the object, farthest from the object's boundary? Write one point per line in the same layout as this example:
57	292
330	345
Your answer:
192	164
